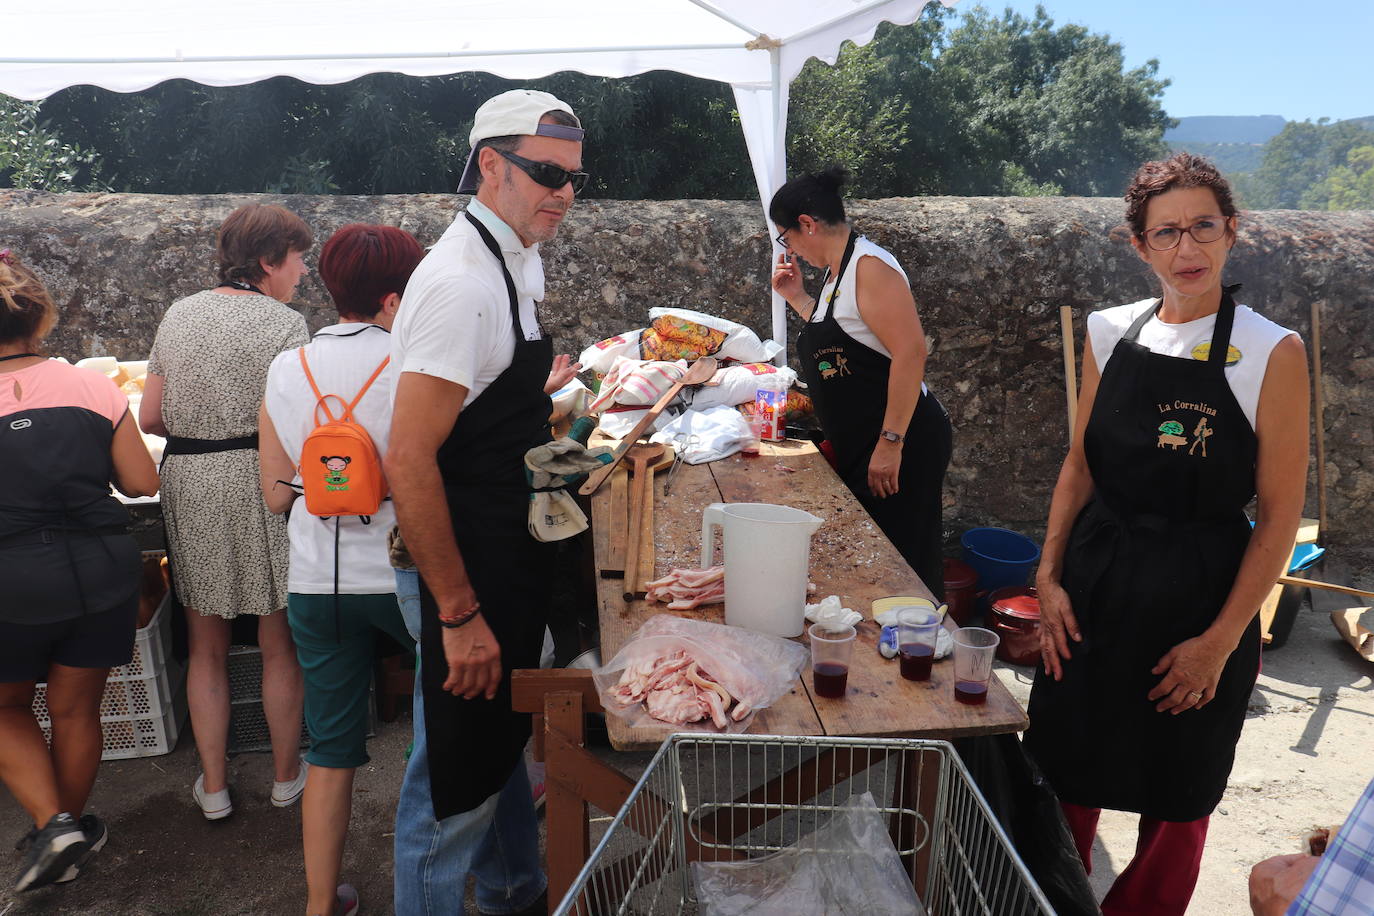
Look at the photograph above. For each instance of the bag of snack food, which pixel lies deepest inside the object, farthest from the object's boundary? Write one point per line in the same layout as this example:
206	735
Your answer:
601	356
726	339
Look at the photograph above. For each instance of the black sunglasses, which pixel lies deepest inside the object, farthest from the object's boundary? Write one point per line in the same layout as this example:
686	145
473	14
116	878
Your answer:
550	176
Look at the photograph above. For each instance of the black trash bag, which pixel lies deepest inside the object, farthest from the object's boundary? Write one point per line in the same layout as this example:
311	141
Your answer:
1029	812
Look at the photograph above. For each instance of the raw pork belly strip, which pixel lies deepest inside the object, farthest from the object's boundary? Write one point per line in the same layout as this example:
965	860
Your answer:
675	690
684	589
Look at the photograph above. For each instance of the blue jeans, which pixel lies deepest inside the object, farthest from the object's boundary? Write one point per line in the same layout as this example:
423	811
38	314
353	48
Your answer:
498	842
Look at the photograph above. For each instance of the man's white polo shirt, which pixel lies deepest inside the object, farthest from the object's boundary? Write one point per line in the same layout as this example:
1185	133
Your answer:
454	320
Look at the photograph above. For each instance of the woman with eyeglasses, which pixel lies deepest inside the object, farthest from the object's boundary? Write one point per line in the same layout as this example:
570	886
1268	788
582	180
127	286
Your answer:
1150	579
863	355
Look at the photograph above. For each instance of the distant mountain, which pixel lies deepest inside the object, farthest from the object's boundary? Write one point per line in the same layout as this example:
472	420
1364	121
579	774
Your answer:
1229	157
1224	129
1366	123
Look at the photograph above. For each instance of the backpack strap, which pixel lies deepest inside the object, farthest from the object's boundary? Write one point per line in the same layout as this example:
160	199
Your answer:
320	399
366	385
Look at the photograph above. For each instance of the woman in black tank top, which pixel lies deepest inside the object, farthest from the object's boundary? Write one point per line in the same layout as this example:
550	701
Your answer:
890	435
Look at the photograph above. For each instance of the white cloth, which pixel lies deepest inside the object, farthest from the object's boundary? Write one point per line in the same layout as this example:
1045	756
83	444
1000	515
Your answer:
846	304
832	615
340	366
454	320
617	424
1252	335
700	436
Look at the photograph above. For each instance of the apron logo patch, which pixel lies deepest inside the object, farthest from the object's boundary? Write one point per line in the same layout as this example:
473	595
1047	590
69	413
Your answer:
839	367
1173	434
1204	350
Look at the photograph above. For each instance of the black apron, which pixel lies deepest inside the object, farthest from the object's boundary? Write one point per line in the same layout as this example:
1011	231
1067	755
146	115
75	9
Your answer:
1149	563
64	547
847	382
475	744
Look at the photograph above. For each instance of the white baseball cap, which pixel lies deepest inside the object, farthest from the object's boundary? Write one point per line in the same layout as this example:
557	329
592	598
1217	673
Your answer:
510	114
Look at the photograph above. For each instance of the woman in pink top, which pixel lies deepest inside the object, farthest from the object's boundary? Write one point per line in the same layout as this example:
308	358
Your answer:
70	571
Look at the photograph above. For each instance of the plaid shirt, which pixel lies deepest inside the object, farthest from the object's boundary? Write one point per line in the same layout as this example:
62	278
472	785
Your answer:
1343	882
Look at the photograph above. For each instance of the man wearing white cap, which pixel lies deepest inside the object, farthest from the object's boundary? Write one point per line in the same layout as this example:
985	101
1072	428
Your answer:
471	399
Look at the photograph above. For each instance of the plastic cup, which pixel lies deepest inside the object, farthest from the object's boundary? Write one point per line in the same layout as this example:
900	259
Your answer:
830	654
974	648
917	628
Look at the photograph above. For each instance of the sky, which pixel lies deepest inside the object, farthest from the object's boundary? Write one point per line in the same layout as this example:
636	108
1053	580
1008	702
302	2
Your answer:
1302	60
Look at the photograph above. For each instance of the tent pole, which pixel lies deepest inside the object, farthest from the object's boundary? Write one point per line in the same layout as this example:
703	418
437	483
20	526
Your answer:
780	158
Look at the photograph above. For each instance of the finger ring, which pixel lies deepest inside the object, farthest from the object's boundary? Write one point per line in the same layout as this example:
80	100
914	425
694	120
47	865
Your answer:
1195	693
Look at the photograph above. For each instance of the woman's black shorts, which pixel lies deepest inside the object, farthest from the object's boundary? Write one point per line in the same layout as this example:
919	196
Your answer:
103	640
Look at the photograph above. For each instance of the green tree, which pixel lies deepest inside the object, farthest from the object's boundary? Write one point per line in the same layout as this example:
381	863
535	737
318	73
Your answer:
1298	160
994	105
1347	187
33	156
656	135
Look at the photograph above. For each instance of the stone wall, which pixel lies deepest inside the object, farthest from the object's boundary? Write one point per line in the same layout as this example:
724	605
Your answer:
988	274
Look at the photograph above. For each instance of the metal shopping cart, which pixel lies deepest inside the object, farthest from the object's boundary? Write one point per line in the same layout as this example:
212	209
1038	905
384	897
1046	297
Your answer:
710	798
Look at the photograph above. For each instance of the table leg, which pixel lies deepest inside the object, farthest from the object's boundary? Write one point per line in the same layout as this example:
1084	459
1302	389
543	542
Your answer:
565	810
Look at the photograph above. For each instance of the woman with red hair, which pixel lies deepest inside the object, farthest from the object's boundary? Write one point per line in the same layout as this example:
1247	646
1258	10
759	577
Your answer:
341	589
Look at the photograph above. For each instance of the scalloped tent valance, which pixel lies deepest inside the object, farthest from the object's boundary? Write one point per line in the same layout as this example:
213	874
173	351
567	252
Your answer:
757	46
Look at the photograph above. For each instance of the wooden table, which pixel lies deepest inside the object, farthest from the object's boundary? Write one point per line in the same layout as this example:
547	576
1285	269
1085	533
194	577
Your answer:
850	557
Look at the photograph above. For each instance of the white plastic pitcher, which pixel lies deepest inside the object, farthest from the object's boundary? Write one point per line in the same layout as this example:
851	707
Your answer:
767	554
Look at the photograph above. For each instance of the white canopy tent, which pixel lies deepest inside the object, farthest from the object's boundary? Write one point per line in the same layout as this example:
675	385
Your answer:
758	46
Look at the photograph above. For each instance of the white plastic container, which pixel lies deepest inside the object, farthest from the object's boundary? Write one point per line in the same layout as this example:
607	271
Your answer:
144	704
767	557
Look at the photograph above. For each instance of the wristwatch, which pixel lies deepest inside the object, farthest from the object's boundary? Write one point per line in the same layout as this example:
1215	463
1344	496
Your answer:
890	436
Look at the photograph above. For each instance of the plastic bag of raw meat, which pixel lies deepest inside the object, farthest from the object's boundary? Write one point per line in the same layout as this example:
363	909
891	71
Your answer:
681	674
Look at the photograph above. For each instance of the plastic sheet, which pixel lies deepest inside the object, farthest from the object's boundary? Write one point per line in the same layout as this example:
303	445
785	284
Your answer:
848	866
756	669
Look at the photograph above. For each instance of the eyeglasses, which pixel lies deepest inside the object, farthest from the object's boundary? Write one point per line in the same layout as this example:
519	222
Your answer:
781	237
546	174
1164	238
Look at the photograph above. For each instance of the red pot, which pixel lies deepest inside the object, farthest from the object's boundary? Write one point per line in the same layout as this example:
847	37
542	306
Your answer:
1014	615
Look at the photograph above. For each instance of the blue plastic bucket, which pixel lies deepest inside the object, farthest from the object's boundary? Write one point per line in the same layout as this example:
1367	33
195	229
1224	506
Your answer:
999	556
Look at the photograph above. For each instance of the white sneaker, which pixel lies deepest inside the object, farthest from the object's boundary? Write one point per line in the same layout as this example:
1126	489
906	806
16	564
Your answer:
286	794
214	805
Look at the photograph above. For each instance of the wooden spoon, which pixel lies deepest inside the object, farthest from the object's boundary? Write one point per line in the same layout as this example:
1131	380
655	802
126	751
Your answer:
699	372
643	456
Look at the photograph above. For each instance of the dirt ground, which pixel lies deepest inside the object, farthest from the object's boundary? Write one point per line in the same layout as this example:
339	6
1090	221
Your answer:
1303	759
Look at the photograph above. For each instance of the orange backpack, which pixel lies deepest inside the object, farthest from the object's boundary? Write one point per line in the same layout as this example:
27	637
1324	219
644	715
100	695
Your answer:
341	472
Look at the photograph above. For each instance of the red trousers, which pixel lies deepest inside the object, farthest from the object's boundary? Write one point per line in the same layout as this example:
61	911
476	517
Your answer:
1160	879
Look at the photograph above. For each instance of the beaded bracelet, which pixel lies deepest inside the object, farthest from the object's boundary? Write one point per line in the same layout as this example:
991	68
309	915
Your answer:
455	621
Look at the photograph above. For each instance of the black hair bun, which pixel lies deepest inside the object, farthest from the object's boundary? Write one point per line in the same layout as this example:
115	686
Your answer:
832	178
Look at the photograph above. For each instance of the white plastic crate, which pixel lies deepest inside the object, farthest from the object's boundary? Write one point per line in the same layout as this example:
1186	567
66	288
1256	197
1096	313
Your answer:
135	735
144	704
152	644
